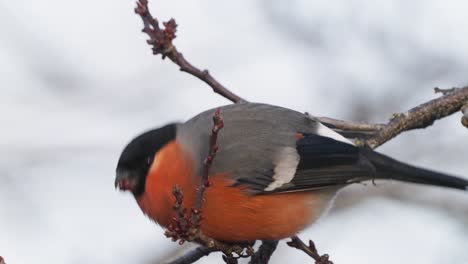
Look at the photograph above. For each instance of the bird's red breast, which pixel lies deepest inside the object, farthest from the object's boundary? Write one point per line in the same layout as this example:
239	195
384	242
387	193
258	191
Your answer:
229	213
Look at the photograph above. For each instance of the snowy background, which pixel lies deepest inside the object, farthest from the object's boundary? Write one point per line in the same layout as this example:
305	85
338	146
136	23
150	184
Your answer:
78	82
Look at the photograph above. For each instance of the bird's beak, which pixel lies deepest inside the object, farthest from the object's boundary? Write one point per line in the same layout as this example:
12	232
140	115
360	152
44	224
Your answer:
124	181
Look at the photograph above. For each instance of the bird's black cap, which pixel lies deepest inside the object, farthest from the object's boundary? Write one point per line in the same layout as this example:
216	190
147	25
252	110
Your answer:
137	157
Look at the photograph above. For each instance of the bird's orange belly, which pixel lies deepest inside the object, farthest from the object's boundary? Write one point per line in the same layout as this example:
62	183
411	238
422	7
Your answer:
231	215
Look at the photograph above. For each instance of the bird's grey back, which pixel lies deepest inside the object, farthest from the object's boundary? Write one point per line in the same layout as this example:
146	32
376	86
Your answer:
252	135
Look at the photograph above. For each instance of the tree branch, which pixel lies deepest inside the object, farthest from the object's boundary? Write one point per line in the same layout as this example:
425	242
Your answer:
421	116
218	124
350	126
161	40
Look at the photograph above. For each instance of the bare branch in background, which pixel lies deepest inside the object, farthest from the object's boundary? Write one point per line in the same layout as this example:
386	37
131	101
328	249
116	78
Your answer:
372	135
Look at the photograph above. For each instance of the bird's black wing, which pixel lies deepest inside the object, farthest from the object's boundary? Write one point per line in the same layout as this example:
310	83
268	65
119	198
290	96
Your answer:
325	162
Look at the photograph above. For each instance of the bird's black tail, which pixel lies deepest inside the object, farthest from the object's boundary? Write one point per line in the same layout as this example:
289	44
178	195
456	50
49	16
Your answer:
388	168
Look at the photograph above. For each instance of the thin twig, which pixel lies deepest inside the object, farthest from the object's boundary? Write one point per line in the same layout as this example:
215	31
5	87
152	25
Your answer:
218	124
186	224
181	229
310	250
193	255
161	40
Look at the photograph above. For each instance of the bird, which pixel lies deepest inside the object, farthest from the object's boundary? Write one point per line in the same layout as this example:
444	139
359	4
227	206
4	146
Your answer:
276	171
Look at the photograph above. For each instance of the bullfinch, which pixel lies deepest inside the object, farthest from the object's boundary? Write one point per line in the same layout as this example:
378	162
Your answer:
275	173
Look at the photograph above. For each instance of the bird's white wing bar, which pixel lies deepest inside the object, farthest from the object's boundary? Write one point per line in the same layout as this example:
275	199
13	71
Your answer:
285	167
324	131
288	159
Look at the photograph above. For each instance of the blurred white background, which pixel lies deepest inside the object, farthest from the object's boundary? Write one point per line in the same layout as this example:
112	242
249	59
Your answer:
78	82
